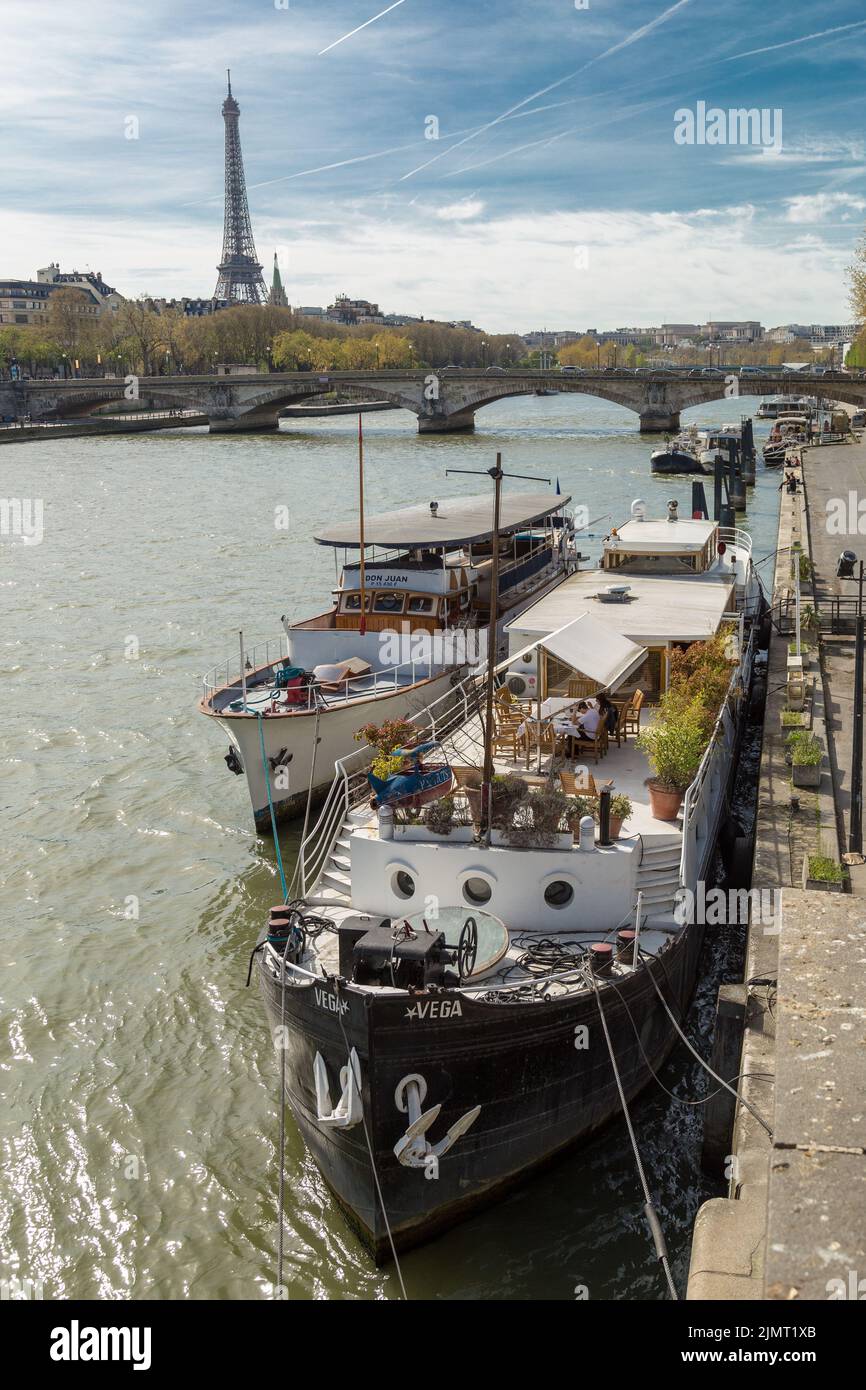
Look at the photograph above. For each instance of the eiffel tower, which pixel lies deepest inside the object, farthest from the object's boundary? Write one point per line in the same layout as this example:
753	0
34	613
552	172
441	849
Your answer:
240	275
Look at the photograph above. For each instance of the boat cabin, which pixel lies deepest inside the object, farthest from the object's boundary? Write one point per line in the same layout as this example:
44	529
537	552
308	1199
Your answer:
427	569
658	585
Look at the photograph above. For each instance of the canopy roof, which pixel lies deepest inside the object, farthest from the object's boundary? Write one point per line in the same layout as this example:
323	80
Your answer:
592	648
457	521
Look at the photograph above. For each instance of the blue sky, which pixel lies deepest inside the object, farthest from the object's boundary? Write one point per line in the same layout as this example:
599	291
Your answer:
554	195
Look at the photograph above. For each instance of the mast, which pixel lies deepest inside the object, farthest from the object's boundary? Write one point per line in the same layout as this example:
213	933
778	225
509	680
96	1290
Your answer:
362	626
487	775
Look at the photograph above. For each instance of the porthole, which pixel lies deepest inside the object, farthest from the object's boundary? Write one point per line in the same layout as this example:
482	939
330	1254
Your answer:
403	884
559	893
477	891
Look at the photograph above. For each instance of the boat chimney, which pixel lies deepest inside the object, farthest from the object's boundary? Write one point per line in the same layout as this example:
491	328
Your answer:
673	514
638	509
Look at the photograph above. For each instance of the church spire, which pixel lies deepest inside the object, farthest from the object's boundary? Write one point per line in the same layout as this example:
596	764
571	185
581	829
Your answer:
278	295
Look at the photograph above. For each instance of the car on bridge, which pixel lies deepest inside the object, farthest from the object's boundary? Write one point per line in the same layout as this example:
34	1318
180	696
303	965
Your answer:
495	369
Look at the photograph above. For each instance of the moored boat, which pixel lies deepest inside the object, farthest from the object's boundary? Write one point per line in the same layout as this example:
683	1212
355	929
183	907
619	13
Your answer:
410	617
461	995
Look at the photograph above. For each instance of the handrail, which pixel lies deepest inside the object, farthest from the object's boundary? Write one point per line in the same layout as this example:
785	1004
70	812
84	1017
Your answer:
316	847
740	675
228	675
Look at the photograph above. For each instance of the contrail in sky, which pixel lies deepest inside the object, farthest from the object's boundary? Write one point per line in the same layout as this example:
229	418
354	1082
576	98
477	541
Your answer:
789	43
617	47
361	26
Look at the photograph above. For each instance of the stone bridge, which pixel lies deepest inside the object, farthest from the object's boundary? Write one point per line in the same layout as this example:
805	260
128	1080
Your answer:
443	399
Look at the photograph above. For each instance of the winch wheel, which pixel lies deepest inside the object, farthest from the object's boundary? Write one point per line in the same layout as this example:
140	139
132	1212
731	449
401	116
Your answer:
467	948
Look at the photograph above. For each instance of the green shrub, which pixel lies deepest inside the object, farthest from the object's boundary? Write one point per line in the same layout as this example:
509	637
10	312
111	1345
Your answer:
805	748
825	869
675	744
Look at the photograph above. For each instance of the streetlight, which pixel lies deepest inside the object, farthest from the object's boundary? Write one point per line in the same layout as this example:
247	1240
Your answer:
845	570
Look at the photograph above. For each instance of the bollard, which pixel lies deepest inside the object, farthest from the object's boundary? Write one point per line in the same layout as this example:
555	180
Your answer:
587	834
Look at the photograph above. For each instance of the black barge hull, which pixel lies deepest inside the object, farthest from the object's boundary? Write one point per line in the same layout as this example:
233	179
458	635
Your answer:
541	1074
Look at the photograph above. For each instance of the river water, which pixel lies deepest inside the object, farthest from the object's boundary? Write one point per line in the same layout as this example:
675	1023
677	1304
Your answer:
140	1122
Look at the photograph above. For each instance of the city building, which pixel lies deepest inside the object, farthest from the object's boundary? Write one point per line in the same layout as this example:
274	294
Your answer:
23	301
732	330
28	301
190	308
676	334
101	296
346	310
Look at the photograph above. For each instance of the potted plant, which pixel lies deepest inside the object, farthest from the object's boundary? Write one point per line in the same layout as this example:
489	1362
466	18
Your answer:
534	820
620	810
823	874
576	808
674	743
792	719
439	815
806	754
384	738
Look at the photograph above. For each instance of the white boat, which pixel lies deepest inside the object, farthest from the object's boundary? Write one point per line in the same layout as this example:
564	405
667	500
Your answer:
408	621
437	974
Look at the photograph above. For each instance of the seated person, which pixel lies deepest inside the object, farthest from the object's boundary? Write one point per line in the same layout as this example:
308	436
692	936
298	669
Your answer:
608	712
587	720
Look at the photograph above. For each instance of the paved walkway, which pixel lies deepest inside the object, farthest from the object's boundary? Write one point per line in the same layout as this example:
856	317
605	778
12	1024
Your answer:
834	475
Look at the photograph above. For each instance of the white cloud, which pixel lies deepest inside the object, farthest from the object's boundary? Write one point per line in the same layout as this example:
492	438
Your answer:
461	211
820	207
507	273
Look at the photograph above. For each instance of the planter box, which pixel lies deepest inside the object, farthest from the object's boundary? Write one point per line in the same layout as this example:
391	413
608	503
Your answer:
562	840
820	885
806	774
421	834
791	728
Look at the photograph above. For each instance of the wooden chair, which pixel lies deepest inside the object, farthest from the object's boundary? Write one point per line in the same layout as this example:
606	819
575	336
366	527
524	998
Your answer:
507	732
574	787
629	718
545	738
598	746
580	688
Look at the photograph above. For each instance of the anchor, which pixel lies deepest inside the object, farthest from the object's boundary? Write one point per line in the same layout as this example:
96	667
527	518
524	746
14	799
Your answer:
349	1109
414	1150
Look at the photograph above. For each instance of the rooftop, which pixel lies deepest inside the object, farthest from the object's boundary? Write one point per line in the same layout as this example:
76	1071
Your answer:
659	609
457	521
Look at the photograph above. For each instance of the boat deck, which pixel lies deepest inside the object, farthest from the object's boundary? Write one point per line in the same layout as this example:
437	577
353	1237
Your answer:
260	691
518	972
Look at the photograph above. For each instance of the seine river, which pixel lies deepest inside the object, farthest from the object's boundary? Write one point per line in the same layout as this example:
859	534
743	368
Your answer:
140	1122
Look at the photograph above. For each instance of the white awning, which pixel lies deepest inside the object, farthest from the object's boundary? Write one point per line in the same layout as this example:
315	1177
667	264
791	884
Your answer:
594	649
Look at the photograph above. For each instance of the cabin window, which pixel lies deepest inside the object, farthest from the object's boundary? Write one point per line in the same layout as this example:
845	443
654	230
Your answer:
477	891
403	884
559	893
352	603
419	604
388	603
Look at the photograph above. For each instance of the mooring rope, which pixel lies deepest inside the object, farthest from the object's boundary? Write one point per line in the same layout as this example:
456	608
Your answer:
354	1081
281	1200
309	794
734	1092
271	807
649	1209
